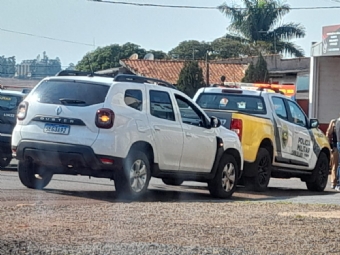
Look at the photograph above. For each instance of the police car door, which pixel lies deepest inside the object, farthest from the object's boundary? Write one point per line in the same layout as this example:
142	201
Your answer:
302	143
283	130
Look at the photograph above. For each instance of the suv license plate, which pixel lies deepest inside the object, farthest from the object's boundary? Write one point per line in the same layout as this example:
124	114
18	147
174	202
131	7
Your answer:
57	129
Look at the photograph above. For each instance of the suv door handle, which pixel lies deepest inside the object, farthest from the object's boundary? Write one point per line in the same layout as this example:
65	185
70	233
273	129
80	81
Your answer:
157	128
188	134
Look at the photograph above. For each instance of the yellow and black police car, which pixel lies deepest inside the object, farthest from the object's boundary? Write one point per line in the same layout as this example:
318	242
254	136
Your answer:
278	139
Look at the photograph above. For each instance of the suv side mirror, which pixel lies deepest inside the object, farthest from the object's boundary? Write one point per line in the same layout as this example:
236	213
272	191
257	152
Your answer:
215	122
313	123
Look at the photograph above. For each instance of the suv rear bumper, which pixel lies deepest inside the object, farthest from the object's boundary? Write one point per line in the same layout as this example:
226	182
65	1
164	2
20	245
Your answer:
66	158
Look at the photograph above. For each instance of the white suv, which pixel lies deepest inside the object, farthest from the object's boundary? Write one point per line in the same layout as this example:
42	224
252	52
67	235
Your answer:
125	129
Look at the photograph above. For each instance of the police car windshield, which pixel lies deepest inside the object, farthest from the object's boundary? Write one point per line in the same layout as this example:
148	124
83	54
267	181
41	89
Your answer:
233	102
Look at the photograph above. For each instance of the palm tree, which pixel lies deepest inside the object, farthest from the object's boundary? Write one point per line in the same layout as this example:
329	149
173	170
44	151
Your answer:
258	24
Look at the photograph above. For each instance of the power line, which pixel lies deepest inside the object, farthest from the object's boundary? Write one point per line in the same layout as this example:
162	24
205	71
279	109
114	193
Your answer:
204	7
45	37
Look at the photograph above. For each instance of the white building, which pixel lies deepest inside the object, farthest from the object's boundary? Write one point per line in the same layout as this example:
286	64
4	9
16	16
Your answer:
324	86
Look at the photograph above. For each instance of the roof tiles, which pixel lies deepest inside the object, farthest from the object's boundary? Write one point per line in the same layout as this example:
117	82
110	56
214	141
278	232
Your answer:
169	70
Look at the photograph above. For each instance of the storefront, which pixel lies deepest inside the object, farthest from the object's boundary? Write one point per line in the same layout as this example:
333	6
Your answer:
324	86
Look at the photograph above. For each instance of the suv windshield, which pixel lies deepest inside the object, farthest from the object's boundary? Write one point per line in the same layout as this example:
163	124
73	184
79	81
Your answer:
70	93
8	102
241	103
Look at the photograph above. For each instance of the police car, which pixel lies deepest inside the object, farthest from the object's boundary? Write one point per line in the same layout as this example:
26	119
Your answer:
278	139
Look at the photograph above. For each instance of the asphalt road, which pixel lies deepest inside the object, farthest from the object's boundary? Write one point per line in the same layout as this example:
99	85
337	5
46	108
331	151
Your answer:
74	189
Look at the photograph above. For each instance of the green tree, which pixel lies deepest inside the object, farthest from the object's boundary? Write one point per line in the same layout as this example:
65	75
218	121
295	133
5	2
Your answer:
249	75
190	78
261	71
257	21
230	48
109	56
190	50
158	54
219	48
257	72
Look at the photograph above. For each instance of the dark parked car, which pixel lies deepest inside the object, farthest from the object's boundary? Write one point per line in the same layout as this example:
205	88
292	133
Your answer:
9	101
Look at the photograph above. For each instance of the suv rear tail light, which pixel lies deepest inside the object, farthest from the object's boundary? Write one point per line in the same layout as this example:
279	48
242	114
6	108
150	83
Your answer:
107	161
105	118
237	126
22	110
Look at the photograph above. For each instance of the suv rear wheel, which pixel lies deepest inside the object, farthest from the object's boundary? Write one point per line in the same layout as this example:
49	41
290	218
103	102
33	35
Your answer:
133	180
224	183
32	175
319	175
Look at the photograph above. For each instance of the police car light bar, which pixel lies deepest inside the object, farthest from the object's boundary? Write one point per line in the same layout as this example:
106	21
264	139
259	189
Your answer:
288	90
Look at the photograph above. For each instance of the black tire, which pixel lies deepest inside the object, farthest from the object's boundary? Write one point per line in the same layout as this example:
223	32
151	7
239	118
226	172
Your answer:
319	175
125	183
5	161
173	182
223	185
32	175
263	169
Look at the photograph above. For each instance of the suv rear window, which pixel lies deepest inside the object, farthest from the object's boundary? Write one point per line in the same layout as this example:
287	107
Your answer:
73	92
8	102
241	103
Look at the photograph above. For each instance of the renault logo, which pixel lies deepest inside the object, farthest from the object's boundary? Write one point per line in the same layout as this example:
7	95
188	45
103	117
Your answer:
58	110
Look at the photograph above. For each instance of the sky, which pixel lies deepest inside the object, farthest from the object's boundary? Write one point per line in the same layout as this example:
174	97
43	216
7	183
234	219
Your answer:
95	24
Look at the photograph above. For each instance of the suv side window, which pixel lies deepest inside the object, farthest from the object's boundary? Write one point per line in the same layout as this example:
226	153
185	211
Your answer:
161	106
134	98
280	108
189	114
298	117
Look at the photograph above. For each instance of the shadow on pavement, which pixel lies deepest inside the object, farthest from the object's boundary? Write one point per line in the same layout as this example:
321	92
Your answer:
192	194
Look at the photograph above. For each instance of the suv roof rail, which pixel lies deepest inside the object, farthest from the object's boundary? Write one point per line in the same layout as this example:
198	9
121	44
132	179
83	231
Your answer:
80	73
142	79
119	77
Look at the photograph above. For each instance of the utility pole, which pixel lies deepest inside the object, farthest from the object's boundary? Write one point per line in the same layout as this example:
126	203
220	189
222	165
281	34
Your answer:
207	68
274	41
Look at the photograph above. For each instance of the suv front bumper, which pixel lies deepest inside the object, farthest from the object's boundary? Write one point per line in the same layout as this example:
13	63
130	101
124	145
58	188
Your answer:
66	158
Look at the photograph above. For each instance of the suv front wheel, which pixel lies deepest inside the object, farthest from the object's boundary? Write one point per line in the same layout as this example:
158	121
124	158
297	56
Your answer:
133	179
33	175
224	183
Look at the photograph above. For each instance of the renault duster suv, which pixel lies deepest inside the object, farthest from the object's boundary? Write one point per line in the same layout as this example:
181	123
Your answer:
125	129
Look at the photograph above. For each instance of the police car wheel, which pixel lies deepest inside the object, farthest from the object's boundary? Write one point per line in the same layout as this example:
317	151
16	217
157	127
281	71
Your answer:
320	174
263	168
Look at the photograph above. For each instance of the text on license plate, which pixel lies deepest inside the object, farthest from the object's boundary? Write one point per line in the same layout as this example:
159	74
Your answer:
57	129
